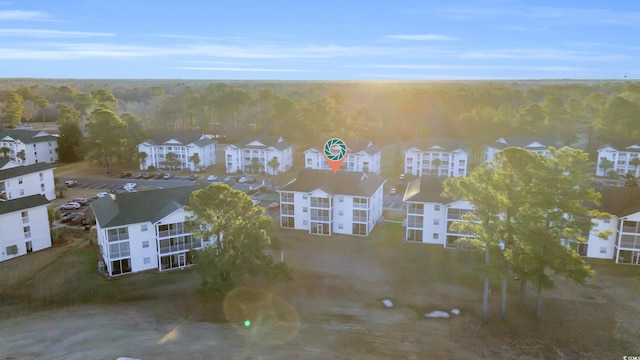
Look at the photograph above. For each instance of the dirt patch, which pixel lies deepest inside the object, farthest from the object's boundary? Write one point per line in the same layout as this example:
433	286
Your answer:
332	310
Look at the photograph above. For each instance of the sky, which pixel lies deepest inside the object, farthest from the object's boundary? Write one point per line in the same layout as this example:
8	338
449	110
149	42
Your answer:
320	40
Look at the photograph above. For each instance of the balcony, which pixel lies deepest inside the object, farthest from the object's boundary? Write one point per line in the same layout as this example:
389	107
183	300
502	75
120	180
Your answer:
284	212
360	205
360	219
173	232
319	218
180	247
629	242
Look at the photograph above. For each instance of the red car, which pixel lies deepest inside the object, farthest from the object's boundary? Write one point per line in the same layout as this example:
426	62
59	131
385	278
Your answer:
274	205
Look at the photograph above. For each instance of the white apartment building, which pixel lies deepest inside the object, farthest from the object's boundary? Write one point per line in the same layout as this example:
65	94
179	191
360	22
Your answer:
28	147
362	156
620	159
322	202
436	157
259	154
18	181
24	226
192	151
145	230
535	144
430	216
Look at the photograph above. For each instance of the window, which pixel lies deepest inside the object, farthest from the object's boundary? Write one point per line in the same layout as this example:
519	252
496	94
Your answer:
340	226
436	207
121	266
41	177
27	232
603	250
118	234
286	197
304	223
41	187
21	192
607	221
119	250
304	196
145	244
436	221
147	260
340	198
12	250
19	180
304	209
340	213
436	236
143	227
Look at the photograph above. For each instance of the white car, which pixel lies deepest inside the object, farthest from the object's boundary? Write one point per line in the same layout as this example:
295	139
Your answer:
102	194
129	185
242	180
212	178
393	191
70	206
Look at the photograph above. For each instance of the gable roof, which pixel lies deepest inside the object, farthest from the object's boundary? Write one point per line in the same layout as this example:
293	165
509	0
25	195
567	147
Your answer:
353	146
425	189
27	136
524	142
447	144
266	141
619	201
341	182
182	138
142	206
628	148
23	170
22	203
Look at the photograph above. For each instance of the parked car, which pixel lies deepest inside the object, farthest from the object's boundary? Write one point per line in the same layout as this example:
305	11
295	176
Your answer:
158	176
212	178
81	201
242	180
251	180
125	174
274	206
193	177
102	194
71	183
401	177
137	176
228	180
67	217
256	202
147	176
129	185
70	206
393	191
130	189
168	176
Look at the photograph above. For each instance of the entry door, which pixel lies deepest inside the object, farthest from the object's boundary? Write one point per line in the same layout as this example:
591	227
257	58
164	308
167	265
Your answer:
29	247
182	260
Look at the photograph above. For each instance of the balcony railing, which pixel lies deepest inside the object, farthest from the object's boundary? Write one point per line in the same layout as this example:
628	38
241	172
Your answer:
415	211
285	212
360	205
629	241
320	218
180	247
360	219
629	229
414	224
173	232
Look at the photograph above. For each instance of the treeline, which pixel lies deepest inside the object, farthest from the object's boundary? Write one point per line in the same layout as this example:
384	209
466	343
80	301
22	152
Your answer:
584	114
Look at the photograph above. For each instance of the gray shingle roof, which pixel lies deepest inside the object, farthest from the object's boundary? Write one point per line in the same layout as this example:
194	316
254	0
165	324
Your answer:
448	144
267	141
354	146
143	206
23	170
342	182
524	141
184	138
619	201
27	136
629	148
22	203
425	189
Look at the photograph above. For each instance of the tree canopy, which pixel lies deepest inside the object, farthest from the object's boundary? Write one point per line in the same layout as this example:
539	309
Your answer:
535	205
243	243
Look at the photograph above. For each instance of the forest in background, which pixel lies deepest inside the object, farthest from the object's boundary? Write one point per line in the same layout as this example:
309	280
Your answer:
585	114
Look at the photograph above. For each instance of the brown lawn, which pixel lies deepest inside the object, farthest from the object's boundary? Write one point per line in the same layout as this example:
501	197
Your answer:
56	306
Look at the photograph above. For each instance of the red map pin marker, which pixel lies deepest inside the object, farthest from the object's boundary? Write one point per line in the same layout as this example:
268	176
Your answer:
335	151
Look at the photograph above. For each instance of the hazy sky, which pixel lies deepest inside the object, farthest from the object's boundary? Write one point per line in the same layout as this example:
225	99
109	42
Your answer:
323	40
